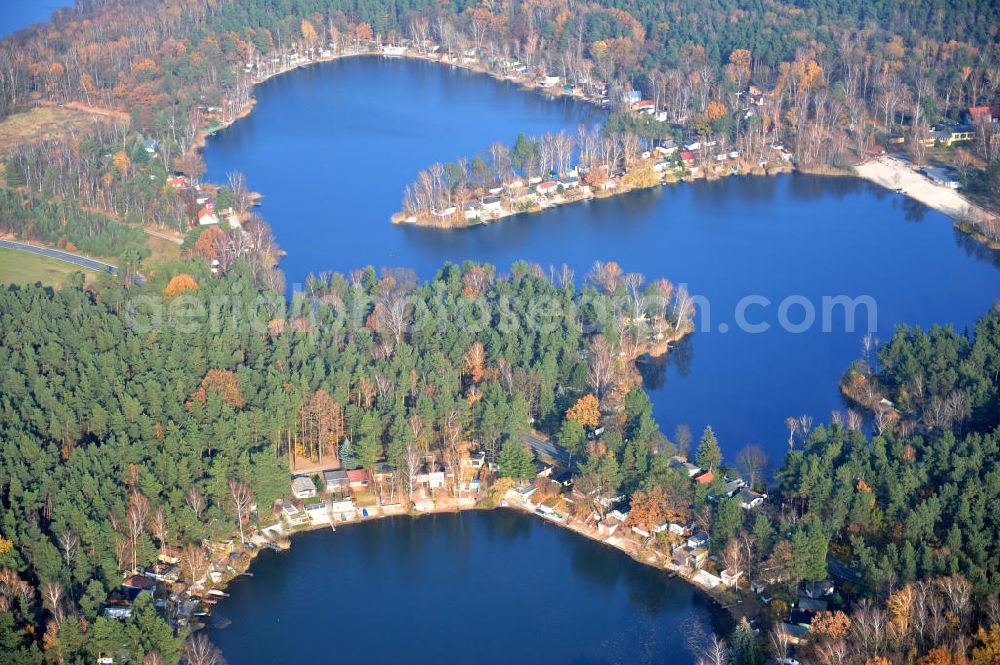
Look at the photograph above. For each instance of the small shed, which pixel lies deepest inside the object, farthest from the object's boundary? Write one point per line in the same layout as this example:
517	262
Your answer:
336	481
303	487
731	578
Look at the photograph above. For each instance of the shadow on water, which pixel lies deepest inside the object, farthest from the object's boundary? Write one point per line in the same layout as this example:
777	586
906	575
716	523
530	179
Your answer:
977	250
653	369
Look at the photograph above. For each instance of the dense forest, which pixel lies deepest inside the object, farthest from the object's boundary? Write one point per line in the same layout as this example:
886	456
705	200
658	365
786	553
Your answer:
910	510
131	421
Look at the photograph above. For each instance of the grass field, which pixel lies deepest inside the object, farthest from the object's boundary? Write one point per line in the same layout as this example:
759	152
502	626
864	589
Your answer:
26	268
162	250
41	123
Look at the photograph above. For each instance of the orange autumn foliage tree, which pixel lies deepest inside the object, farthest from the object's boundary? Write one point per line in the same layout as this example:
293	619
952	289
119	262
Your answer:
209	242
738	69
941	655
715	110
179	284
308	32
586	411
834	625
363	31
474	362
223	382
648	510
121	161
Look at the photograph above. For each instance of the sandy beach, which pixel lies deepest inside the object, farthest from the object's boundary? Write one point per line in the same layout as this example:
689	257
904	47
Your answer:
894	173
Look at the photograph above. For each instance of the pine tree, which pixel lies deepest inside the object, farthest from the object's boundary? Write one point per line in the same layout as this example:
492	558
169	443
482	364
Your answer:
709	454
516	461
745	649
348	458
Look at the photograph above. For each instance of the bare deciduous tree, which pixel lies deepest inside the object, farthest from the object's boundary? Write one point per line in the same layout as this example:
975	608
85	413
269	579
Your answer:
793	427
52	600
69	544
136	516
241	497
193	563
601	365
198	650
753	460
195	501
717	653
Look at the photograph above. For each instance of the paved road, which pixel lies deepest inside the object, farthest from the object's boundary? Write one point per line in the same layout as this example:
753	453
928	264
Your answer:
547	448
59	255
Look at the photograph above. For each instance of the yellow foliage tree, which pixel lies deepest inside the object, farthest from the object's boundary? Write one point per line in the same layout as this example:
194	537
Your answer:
715	110
308	32
641	173
179	284
586	411
988	650
122	162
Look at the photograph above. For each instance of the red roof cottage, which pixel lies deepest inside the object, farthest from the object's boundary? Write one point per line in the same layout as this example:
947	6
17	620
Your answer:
706	478
207	217
547	187
357	478
646	106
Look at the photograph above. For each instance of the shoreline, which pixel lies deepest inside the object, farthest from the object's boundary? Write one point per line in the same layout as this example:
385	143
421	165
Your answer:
628	547
580	194
884	170
407	54
897	175
527	84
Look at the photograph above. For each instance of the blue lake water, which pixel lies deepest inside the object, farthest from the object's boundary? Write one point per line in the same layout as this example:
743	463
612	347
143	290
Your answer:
484	587
17	14
332	147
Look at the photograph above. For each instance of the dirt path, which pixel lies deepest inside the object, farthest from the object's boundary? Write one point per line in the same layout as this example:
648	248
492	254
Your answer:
163	236
92	110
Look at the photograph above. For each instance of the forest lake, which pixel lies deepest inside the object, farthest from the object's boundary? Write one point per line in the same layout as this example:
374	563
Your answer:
331	148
